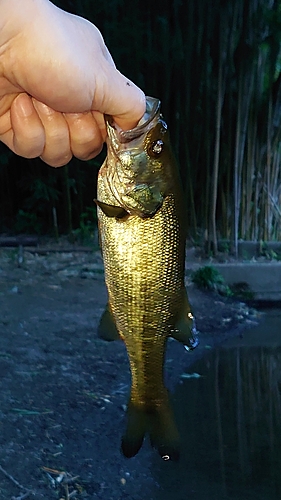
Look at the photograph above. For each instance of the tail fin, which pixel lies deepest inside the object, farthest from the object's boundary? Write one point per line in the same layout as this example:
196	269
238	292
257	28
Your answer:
159	423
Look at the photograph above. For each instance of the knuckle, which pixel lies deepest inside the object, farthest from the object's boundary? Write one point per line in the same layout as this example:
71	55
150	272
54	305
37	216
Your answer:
58	160
29	142
87	153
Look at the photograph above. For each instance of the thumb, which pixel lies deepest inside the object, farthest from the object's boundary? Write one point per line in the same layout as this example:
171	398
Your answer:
122	99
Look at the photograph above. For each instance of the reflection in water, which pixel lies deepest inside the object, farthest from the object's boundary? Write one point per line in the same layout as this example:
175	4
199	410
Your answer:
230	423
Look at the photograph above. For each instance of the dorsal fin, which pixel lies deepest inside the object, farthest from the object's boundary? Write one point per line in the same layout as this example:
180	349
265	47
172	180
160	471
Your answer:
111	210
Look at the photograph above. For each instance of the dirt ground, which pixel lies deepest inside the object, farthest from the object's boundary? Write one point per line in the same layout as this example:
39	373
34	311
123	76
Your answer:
63	391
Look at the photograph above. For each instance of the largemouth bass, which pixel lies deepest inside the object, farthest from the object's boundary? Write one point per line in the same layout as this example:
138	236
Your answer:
142	235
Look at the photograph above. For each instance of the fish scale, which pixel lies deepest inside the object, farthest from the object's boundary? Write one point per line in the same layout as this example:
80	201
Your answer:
148	287
143	257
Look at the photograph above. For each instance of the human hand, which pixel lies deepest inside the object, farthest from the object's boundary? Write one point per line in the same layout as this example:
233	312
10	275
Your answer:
57	79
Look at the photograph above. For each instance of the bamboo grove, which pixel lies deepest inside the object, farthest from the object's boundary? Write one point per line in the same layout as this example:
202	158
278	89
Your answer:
216	66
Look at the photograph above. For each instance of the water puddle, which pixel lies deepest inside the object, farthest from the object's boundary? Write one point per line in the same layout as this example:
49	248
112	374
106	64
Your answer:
228	408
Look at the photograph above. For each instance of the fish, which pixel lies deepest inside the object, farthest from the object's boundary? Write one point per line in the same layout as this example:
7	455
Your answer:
142	232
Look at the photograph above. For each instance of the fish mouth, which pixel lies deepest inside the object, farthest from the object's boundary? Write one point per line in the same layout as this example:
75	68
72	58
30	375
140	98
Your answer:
146	123
130	172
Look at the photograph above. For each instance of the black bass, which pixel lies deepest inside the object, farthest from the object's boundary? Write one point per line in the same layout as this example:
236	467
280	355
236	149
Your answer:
142	235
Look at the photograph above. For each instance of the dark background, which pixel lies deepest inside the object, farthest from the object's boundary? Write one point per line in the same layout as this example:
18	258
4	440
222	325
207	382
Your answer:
216	68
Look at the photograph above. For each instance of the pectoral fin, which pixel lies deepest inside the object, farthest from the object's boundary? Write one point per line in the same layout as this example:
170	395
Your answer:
107	329
111	210
185	327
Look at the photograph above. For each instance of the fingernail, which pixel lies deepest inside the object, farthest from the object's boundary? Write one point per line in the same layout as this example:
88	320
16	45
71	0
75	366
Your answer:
43	108
24	105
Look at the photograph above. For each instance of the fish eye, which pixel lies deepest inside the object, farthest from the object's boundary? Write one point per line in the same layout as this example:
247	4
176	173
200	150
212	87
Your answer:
155	148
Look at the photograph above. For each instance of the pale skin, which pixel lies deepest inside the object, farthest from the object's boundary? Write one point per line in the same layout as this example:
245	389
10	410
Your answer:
57	80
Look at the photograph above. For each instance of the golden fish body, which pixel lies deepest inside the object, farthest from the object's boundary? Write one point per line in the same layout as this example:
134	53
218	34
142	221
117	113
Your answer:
142	236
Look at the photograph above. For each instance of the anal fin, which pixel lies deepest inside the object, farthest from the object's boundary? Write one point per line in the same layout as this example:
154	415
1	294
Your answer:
185	328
